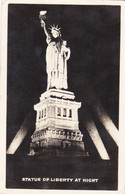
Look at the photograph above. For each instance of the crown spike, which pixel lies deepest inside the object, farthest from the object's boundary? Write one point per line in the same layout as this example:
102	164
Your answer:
54	27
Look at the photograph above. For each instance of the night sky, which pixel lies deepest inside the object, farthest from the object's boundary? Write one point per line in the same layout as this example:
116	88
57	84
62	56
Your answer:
93	35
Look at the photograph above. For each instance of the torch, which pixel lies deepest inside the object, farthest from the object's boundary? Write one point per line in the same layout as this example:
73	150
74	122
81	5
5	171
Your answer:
42	17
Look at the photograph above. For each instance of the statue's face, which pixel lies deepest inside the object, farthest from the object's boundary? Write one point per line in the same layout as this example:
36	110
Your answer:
55	33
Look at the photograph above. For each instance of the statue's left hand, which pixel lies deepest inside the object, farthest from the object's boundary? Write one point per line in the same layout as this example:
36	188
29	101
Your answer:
67	56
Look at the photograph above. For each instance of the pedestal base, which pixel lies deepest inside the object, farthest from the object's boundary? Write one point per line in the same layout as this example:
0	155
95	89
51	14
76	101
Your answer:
58	153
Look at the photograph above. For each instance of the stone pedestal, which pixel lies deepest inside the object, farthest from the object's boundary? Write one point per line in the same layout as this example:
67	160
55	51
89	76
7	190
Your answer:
57	126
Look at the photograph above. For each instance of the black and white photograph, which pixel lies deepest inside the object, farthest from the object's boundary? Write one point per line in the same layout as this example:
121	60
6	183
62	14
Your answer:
63	93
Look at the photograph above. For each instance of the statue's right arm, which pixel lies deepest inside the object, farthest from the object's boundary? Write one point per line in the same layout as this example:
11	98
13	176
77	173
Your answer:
48	38
45	30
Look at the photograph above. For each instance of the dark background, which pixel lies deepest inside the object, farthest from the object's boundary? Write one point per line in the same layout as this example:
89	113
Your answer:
93	35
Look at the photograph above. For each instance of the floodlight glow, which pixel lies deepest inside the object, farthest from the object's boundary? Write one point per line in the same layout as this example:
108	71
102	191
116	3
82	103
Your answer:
108	123
19	137
93	132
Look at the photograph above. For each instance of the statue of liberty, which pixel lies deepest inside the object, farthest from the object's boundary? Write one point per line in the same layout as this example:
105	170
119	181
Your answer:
57	54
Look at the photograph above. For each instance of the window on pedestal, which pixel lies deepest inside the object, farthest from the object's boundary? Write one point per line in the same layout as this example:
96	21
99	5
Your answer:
58	111
64	112
45	112
42	114
39	114
70	113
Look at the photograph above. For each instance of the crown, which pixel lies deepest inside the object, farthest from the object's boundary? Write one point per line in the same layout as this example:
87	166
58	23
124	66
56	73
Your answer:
53	27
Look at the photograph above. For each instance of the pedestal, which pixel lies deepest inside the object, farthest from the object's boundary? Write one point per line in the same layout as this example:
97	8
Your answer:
57	127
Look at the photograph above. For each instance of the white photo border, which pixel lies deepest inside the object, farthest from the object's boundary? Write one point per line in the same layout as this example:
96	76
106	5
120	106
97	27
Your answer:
3	96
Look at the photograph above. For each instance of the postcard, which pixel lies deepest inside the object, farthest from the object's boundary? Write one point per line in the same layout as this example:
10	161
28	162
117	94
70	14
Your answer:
62	107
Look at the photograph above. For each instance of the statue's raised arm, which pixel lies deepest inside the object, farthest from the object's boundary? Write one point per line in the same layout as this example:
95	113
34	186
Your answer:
57	55
42	16
43	25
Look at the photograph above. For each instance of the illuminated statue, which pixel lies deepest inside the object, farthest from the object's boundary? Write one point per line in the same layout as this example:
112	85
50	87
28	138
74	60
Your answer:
57	131
57	55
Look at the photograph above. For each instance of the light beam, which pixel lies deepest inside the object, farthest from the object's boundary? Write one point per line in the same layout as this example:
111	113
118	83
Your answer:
20	135
94	134
107	123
